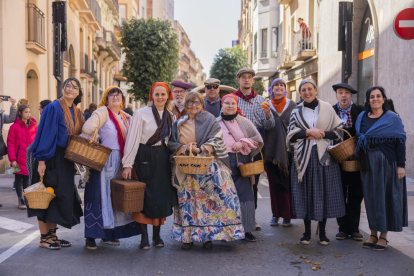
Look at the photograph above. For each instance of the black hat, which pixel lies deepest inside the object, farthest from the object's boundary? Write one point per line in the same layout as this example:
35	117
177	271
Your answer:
344	85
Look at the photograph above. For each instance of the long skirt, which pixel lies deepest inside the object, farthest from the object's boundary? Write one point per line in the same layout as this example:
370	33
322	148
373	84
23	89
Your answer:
208	207
101	220
153	167
280	199
244	192
65	209
319	196
385	195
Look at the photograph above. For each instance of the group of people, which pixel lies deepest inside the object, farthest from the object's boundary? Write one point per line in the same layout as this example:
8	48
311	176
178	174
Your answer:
305	181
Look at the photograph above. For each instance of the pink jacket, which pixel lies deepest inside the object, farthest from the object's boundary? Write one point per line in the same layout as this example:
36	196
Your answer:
19	138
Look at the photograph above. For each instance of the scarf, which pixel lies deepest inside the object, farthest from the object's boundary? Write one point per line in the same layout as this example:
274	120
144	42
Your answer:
345	115
279	104
164	126
103	100
247	98
238	108
212	102
228	117
73	128
327	121
388	128
120	129
180	113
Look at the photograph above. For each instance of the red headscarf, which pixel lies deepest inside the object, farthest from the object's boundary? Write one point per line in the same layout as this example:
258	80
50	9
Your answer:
163	84
237	101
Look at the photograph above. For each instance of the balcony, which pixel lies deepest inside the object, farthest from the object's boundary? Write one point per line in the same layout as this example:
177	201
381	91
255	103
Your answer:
35	30
116	5
283	59
77	5
107	42
84	66
91	15
284	2
304	44
185	58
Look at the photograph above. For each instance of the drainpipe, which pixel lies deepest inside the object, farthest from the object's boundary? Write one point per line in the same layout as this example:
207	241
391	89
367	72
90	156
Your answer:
49	88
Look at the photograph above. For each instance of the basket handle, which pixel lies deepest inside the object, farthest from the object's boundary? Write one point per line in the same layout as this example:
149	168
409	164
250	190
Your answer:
257	144
94	136
344	130
191	149
41	182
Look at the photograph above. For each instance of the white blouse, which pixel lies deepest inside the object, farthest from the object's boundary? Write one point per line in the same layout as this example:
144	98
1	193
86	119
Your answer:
311	117
108	134
142	127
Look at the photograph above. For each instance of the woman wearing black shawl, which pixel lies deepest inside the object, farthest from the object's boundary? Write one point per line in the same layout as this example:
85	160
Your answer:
146	147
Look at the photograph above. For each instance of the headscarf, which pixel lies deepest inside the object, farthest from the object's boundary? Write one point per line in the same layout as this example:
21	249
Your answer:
237	100
105	95
163	84
273	83
307	80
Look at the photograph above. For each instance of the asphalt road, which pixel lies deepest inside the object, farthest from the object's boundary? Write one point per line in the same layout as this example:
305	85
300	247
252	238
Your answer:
276	252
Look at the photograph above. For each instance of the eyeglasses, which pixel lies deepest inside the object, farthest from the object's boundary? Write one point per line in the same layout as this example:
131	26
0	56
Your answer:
197	103
70	87
212	86
115	95
179	92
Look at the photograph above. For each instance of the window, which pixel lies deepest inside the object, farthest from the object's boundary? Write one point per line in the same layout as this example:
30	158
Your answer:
255	47
264	43
143	13
134	13
122	14
274	42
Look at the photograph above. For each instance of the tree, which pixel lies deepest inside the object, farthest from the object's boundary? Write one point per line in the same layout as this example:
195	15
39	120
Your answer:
227	63
258	86
151	54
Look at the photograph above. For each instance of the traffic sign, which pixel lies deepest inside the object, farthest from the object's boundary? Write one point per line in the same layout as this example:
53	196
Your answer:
404	24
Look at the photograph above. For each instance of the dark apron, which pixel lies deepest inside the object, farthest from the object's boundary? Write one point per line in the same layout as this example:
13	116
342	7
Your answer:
153	167
65	209
243	185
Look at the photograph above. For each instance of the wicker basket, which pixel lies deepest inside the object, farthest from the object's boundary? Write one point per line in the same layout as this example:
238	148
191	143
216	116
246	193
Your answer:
127	195
350	166
39	198
193	164
344	150
252	168
87	152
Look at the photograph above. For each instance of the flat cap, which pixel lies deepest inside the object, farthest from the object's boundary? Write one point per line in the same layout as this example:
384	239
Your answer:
344	85
246	71
181	84
212	82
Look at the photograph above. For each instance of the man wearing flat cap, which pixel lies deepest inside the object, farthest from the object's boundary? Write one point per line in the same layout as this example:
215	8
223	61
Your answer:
351	181
250	104
212	101
179	91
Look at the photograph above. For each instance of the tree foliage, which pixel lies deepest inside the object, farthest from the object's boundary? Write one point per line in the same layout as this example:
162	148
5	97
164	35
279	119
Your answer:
227	63
259	87
151	54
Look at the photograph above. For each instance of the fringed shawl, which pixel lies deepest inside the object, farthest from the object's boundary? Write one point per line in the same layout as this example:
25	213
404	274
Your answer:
72	129
328	120
208	132
388	128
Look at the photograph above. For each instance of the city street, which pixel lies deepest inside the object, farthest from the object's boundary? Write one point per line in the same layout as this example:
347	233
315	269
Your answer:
277	251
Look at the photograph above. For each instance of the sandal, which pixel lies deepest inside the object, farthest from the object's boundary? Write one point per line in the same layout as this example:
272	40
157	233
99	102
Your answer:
370	244
378	247
62	243
51	245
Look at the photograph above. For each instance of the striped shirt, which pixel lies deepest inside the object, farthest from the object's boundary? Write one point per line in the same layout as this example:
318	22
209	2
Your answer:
255	114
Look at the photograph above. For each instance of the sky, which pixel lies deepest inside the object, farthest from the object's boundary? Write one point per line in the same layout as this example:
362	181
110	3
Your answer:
210	25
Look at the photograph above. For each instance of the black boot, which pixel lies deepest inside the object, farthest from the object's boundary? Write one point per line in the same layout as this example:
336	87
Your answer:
144	237
156	239
323	239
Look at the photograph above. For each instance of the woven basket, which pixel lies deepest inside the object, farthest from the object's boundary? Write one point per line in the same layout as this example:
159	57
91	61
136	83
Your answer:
350	166
193	164
40	198
252	168
344	150
87	152
127	195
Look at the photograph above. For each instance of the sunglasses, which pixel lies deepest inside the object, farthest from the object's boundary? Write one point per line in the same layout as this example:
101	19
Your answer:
212	86
197	103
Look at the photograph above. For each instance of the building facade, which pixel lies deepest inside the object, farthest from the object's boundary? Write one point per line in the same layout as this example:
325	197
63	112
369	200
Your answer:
379	57
160	9
26	50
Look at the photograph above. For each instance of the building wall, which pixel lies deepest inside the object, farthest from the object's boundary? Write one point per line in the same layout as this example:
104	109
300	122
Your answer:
161	9
392	59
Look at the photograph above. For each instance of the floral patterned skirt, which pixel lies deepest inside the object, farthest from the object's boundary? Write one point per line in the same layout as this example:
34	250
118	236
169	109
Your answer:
208	207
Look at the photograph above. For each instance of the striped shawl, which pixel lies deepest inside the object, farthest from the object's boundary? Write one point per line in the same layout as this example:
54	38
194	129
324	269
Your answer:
328	120
208	132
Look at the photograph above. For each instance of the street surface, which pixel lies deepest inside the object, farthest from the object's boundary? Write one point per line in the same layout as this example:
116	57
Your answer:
277	251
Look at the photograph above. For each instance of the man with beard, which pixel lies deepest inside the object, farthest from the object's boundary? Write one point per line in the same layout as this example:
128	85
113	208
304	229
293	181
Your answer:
351	181
179	91
250	104
212	101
